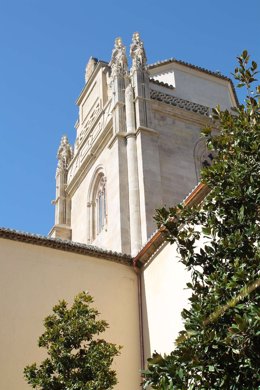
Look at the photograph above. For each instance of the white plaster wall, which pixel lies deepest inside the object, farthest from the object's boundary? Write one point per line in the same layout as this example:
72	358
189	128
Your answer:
34	278
164	297
198	87
206	91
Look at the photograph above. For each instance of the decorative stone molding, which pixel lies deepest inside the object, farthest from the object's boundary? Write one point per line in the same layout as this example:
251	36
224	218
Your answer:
85	148
88	125
180	103
137	53
65	154
118	63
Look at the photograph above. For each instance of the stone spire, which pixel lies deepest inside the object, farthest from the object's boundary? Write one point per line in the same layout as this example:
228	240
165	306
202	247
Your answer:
118	61
65	154
119	72
140	82
137	53
62	202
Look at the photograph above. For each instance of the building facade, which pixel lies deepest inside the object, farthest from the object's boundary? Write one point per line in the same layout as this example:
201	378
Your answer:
137	147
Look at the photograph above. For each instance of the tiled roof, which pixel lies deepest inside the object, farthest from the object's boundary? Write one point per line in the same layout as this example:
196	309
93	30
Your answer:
180	103
174	60
161	83
65	245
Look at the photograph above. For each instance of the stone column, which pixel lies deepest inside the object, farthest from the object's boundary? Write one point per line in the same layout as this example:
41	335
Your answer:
133	183
148	162
62	203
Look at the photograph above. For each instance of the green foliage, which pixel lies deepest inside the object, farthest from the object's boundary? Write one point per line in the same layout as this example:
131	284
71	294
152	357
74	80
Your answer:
218	242
77	359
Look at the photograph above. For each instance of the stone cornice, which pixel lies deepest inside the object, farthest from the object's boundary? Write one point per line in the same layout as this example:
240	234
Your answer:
147	130
133	134
180	113
64	245
121	134
119	103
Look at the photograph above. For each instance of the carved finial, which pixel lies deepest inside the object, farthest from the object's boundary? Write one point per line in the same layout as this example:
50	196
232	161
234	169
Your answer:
118	61
65	153
92	62
137	53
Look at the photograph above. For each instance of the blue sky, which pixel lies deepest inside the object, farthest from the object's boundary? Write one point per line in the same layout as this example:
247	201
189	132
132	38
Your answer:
45	45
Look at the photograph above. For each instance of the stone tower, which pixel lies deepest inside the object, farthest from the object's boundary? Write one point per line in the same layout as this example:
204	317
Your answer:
137	146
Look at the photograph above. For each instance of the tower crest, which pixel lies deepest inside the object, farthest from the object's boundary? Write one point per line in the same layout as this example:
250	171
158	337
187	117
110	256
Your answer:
137	53
118	63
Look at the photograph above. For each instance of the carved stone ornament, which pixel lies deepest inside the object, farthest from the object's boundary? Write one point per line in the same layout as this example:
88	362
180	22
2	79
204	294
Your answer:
90	68
129	91
65	153
118	61
137	53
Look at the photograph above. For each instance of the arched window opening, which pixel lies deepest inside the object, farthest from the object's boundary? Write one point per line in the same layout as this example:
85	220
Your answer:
202	156
100	203
97	205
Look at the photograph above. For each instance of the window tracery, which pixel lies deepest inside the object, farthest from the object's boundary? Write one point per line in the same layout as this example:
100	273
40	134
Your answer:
101	205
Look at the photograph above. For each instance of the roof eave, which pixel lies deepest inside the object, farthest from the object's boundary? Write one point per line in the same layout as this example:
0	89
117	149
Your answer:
159	237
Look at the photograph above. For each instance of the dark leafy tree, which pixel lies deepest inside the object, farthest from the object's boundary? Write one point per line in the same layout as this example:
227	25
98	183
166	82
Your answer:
77	359
218	242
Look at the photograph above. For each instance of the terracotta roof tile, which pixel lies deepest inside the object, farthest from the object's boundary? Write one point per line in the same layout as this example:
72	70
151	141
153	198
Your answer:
174	60
161	83
65	245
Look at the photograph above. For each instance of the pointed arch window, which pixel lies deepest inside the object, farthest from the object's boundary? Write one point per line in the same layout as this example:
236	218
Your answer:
203	157
97	205
100	205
